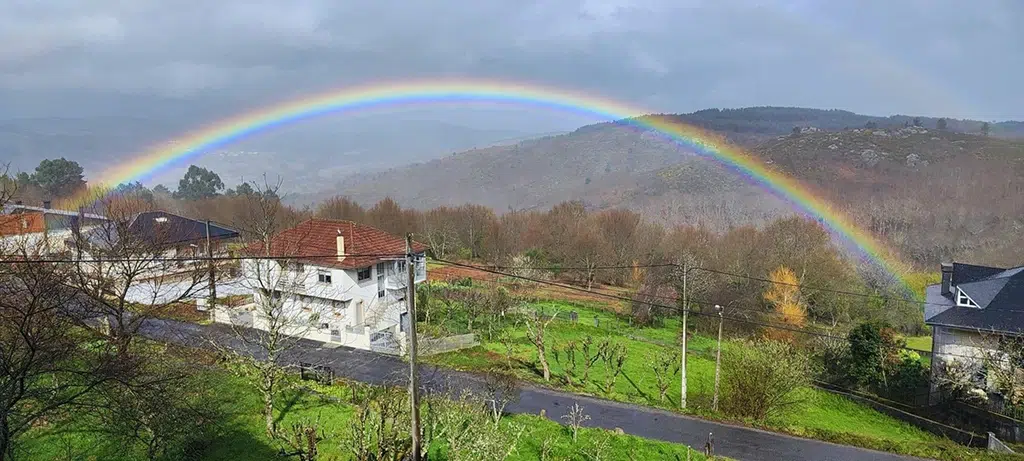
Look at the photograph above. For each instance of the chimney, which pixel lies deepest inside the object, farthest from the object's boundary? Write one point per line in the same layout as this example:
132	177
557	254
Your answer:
341	246
46	204
947	279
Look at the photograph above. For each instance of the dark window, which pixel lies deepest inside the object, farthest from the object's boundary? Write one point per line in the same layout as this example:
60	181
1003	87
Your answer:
363	274
323	276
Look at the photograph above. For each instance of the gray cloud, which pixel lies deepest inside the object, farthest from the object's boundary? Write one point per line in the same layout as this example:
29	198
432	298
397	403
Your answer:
917	56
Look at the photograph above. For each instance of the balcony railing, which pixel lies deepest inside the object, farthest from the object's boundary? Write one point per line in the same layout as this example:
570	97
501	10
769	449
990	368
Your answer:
292	286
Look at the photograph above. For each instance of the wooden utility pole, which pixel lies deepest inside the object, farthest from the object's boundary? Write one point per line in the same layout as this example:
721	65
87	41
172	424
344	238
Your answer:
212	305
718	359
410	301
682	366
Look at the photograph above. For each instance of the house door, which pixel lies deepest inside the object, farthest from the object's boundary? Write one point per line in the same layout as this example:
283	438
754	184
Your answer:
402	319
359	313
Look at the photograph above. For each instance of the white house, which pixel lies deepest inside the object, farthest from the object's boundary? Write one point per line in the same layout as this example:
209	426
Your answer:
969	312
334	281
166	253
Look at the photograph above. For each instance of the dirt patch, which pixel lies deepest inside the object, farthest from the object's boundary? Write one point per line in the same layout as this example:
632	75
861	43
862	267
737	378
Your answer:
449	273
184	311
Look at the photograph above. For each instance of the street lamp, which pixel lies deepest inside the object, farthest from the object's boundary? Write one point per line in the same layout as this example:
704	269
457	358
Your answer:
718	358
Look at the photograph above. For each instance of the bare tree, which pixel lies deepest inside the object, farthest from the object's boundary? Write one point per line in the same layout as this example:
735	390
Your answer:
379	426
161	411
8	185
303	439
575	419
614	357
44	364
588	250
277	318
502	390
132	271
439	227
666	366
535	330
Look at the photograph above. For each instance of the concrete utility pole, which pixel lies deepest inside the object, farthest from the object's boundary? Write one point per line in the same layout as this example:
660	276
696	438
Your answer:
213	276
414	397
682	366
718	359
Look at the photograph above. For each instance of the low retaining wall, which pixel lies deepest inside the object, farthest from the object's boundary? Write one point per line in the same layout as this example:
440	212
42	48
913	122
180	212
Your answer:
957	435
431	346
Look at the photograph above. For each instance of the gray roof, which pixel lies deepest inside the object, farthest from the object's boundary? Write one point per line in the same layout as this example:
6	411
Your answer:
160	229
10	209
999	294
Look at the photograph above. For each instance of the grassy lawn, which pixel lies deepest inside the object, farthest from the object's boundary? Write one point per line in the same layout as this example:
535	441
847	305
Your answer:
821	415
922	343
242	434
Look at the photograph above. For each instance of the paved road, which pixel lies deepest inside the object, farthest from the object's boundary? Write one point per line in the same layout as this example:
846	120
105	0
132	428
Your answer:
733	441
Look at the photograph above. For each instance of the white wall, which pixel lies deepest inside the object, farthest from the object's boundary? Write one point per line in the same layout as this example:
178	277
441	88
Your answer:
949	344
53	241
345	302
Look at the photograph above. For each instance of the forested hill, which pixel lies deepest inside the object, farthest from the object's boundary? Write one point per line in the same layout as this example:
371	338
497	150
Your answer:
933	193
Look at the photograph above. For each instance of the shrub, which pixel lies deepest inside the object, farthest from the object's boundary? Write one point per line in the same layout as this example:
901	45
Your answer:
874	350
760	378
832	355
909	379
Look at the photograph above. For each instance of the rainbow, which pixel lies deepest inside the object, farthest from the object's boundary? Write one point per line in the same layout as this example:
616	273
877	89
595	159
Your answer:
464	91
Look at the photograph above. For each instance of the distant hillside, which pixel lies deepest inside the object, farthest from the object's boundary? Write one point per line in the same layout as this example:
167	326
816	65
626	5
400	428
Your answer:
311	156
934	194
775	121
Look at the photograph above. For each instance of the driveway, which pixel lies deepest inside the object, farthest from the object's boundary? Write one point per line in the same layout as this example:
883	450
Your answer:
736	442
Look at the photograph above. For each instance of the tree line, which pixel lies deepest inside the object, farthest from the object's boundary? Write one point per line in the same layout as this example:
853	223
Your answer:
577	244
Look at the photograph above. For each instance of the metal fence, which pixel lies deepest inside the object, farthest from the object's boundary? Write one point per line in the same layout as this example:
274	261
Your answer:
318	373
431	346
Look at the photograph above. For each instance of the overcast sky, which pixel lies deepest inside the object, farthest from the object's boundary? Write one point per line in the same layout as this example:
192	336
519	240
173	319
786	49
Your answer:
922	57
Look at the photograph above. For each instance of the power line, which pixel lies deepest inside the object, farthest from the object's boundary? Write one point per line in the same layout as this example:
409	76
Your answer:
697	313
668	298
26	259
726	273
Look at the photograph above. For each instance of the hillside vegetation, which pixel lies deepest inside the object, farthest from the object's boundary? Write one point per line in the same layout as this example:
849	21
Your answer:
933	194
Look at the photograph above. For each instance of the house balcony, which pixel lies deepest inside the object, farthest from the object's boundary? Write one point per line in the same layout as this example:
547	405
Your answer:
292	286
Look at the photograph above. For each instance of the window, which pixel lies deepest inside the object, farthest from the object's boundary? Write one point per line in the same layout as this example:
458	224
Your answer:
403	320
963	300
363	274
323	276
400	267
381	267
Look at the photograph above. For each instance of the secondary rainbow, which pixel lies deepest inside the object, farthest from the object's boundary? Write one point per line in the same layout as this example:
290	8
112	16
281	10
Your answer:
463	91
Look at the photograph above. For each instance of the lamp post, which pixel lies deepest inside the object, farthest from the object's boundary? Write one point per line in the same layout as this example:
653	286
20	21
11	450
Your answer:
682	366
718	359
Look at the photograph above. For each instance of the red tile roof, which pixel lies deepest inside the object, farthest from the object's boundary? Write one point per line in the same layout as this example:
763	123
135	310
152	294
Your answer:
315	240
22	223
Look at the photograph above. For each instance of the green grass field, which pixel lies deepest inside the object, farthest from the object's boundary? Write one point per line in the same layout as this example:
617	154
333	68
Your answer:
922	343
821	415
242	437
